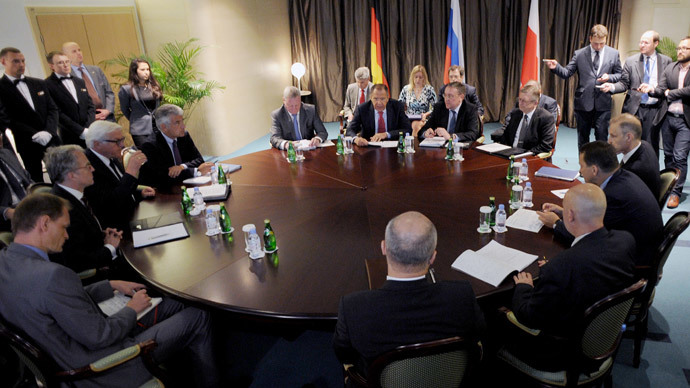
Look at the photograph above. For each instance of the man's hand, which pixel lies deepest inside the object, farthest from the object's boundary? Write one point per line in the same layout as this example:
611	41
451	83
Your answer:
429	133
315	141
604	77
645	88
134	163
126	288
523	278
9	213
379	137
148	192
548	218
607	87
551	63
175	171
443	133
552	207
102	114
205	168
112	237
140	301
360	141
42	137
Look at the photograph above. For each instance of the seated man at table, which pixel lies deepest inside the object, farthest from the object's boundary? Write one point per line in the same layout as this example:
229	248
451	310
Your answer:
545	102
457	74
599	262
454	117
47	301
530	128
115	192
296	121
630	205
357	93
172	157
380	118
625	135
407	309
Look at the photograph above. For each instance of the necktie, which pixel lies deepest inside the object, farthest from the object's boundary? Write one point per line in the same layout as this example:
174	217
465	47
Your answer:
361	96
382	123
65	77
596	62
90	89
18	80
453	120
12	181
645	97
113	165
90	210
295	124
521	130
176	154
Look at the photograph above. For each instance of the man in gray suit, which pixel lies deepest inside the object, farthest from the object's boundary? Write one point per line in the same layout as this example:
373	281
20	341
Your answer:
594	64
14	184
357	93
47	301
645	67
296	121
96	83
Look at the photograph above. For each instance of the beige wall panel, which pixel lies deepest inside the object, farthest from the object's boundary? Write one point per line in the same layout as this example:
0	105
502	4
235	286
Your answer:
57	29
111	33
668	17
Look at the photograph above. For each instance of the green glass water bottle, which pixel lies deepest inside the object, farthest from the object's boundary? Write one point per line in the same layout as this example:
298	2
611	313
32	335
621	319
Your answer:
509	174
492	205
339	145
401	143
186	201
221	175
449	150
292	157
269	237
225	223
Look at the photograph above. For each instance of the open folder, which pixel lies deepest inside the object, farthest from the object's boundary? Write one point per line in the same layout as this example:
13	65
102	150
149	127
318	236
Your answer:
158	229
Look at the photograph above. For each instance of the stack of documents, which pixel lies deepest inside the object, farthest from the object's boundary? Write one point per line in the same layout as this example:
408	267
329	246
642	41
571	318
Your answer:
526	220
384	144
493	263
119	301
436	142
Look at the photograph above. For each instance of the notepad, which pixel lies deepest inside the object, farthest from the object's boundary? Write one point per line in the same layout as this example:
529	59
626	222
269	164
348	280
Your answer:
384	144
557	173
434	142
525	219
493	147
118	302
146	237
493	263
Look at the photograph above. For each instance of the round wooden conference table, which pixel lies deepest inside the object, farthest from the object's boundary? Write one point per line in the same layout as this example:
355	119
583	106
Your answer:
329	214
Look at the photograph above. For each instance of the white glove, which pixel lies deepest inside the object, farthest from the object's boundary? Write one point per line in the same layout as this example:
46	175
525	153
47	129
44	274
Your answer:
42	137
83	134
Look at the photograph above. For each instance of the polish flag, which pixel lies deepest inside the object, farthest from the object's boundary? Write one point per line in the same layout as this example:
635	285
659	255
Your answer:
530	60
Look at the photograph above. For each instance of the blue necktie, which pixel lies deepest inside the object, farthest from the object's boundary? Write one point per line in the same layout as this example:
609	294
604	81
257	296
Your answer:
451	126
295	123
645	97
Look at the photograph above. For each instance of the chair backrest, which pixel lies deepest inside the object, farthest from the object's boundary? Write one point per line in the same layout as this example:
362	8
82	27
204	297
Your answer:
40	187
33	357
555	131
669	177
674	227
6	239
440	363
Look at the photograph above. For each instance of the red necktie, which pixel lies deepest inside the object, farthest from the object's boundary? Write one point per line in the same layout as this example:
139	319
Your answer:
382	124
361	96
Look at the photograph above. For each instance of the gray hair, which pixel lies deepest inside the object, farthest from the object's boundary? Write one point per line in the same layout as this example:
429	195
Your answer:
99	130
362	73
410	239
291	92
61	160
165	112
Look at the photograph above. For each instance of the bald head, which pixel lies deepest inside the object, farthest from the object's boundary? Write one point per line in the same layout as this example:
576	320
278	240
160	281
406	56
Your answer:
648	42
410	241
73	52
584	207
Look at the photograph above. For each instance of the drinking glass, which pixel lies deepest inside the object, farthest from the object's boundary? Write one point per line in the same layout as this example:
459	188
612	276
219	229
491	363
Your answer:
484	218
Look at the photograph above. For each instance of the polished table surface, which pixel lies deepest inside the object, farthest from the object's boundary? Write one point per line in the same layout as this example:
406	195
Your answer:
329	214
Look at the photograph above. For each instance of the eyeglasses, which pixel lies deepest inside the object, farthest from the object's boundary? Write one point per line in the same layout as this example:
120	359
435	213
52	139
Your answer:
116	141
682	48
450	96
87	165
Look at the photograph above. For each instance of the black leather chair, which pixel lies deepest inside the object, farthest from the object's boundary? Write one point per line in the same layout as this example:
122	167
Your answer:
669	177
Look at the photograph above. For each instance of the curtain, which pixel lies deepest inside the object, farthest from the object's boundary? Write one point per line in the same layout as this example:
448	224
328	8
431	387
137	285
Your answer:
332	39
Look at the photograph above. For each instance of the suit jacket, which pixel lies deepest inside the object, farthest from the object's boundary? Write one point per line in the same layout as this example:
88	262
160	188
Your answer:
364	124
600	264
112	200
352	98
12	162
139	116
587	97
155	171
84	249
645	164
545	102
402	313
102	86
470	95
630	206
669	80
74	116
466	124
538	136
47	301
633	77
310	125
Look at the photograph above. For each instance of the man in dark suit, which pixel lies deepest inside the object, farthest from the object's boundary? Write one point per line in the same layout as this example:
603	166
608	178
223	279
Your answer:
630	205
47	302
357	93
296	121
454	118
14	185
674	115
173	157
379	119
72	99
457	74
89	245
531	127
96	82
643	68
638	156
115	192
545	102
598	263
33	114
596	63
407	309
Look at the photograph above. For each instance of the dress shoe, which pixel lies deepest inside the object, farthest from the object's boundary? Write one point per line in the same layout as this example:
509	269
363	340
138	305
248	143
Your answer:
673	201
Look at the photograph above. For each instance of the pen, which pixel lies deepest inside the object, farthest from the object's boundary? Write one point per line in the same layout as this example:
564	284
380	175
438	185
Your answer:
431	273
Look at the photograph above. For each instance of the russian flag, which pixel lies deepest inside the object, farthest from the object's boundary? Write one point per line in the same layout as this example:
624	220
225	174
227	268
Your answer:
530	59
377	75
454	52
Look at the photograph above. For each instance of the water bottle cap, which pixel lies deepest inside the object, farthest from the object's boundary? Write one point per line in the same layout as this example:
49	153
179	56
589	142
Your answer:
407	134
529	184
209	211
501	207
524	160
252	230
196	189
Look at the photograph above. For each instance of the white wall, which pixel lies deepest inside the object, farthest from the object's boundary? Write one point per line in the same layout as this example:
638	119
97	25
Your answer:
668	17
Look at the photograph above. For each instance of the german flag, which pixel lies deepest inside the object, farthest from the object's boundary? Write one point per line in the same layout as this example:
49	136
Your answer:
377	75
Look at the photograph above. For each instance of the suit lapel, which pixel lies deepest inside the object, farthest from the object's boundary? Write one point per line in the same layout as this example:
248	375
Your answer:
18	96
640	68
588	52
63	88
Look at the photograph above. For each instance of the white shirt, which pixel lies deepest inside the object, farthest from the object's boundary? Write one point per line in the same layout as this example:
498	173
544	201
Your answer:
24	90
69	84
519	130
627	155
405	279
578	238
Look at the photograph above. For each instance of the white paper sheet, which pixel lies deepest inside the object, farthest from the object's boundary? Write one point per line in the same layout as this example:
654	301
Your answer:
516	259
199	180
118	302
436	142
384	144
560	193
326	143
493	263
142	238
209	192
525	219
493	147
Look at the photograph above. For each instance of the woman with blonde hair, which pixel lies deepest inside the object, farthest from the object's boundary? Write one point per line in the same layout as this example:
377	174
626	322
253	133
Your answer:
418	96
